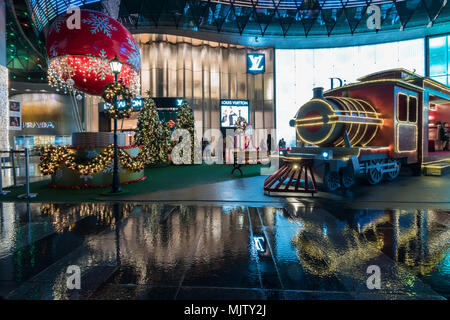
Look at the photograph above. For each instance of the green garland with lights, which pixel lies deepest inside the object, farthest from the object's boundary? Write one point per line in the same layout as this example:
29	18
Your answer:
54	157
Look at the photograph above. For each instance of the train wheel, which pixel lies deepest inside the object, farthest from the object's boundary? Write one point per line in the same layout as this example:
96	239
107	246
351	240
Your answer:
389	176
347	177
374	175
331	181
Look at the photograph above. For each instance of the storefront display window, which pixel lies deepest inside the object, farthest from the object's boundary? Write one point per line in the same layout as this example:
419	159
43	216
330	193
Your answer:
39	141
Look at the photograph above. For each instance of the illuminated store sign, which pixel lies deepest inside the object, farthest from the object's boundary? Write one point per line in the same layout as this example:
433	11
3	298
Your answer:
230	110
259	242
137	104
39	125
256	62
168	104
162	104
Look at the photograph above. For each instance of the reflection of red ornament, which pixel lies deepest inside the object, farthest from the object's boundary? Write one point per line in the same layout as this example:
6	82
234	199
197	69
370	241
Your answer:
79	58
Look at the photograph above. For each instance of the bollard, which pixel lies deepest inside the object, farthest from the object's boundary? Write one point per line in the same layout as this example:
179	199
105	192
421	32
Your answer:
18	161
13	166
2	192
27	195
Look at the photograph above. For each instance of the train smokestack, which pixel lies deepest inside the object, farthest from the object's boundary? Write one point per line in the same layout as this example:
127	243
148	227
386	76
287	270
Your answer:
318	93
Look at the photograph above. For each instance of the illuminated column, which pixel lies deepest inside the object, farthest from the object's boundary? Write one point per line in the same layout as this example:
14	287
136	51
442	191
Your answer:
4	114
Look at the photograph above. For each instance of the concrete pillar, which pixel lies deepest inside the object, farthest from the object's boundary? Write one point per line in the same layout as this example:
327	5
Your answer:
4	109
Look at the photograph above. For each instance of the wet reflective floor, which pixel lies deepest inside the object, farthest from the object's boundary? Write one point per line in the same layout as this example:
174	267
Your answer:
297	250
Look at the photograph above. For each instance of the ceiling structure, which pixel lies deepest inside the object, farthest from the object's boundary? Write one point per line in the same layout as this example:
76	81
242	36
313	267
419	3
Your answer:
25	57
299	18
282	18
277	23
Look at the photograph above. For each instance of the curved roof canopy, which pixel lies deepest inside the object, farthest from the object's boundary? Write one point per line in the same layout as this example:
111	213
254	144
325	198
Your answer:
282	17
259	17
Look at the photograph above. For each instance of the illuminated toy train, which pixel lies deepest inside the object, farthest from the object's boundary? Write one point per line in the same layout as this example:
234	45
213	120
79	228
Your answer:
368	129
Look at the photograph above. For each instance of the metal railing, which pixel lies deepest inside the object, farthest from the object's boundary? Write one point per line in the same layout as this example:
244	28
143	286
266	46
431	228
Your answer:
12	155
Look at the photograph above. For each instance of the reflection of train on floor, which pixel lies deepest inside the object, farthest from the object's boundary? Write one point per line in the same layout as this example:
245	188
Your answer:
367	129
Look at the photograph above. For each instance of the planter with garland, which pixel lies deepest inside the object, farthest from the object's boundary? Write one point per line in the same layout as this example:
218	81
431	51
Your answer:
89	163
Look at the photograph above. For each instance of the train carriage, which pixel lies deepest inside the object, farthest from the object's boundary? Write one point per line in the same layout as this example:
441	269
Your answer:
367	129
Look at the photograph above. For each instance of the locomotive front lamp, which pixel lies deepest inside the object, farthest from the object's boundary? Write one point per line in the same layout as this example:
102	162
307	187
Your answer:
325	155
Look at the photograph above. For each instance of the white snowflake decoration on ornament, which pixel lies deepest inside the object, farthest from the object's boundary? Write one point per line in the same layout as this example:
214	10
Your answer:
99	66
100	24
134	58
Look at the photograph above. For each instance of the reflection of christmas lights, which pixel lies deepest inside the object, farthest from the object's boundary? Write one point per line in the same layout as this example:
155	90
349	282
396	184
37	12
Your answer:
64	218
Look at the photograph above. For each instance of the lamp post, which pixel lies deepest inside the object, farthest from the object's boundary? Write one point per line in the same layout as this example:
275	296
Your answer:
116	67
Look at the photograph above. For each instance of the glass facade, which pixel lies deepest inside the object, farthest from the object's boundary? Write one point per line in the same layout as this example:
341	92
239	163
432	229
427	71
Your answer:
298	71
439	58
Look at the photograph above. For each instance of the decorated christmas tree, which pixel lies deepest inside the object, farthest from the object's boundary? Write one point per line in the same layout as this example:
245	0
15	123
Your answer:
185	120
165	143
152	134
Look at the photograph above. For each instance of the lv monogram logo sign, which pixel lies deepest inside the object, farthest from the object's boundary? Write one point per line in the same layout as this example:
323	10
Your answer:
259	243
256	62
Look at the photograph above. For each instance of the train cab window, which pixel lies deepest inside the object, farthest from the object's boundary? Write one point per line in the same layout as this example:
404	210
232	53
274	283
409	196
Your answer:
402	107
412	109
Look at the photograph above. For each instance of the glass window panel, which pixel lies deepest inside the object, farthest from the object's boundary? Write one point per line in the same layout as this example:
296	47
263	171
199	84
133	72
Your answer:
298	71
441	79
448	54
412	106
438	56
402	107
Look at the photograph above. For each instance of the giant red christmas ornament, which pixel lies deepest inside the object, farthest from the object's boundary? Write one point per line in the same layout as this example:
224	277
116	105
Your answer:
79	57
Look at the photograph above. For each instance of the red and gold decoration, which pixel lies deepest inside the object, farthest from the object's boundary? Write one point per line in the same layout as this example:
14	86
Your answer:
79	57
116	92
241	124
171	124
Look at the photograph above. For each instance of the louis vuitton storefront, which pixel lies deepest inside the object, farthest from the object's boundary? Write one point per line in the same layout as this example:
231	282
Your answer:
203	73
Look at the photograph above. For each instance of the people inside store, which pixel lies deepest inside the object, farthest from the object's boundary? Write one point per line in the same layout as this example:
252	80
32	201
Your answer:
282	144
443	130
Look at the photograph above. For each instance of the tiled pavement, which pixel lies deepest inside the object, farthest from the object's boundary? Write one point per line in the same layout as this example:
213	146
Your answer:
177	251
